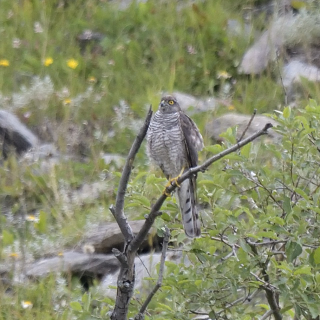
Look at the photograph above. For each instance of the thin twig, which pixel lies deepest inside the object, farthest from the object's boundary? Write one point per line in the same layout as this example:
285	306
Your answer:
265	284
266	243
242	299
221	239
140	315
248	125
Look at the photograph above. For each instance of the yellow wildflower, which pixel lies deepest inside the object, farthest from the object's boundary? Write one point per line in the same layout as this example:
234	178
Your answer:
231	107
13	255
72	63
26	304
60	254
92	79
4	63
66	101
48	61
223	75
32	218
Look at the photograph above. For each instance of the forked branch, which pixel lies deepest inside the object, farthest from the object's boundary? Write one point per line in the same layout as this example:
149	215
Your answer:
126	278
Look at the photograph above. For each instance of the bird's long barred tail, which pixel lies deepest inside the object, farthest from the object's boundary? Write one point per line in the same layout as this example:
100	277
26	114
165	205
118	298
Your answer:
187	202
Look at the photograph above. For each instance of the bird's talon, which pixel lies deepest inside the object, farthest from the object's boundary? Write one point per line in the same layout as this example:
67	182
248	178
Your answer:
175	181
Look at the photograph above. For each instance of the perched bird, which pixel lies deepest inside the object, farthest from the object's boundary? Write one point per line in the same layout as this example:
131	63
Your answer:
173	142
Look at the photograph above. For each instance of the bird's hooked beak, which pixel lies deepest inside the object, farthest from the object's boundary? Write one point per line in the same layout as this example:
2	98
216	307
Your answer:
162	105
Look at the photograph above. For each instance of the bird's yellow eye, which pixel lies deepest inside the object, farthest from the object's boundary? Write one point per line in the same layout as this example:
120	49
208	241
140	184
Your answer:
171	102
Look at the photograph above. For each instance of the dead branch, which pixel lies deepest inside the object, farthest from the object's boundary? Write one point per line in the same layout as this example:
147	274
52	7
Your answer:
266	315
118	212
140	315
126	278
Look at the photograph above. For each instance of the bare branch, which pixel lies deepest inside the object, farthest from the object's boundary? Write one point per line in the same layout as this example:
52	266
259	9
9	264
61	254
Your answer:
126	278
137	241
120	256
221	239
118	210
140	315
249	124
265	284
231	304
266	243
240	300
273	303
266	315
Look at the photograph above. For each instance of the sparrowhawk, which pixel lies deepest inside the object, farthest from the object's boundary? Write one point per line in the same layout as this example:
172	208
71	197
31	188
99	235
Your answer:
173	142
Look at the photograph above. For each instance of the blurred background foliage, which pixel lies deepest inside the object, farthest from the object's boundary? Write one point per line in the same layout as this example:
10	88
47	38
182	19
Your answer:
93	95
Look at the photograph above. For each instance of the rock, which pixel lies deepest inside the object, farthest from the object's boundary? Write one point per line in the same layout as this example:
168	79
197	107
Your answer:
74	263
287	35
293	71
188	101
215	127
145	266
15	135
107	236
265	49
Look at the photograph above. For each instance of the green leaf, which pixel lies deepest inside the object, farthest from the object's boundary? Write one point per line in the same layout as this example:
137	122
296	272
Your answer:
7	237
287	205
41	226
293	250
245	150
85	298
316	255
215	149
242	255
267	234
302	193
198	283
141	199
303	270
264	306
75	305
278	220
139	176
286	112
164	306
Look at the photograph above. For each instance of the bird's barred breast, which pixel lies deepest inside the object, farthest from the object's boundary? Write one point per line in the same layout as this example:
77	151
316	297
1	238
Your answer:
165	143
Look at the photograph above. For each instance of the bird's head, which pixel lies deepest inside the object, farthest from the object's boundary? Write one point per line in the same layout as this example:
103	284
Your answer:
169	104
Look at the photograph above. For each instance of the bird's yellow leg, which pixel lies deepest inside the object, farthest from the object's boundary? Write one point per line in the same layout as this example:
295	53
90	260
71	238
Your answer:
167	186
175	180
170	180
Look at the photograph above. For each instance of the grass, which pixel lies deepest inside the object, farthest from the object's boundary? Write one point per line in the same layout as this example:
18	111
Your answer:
148	48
